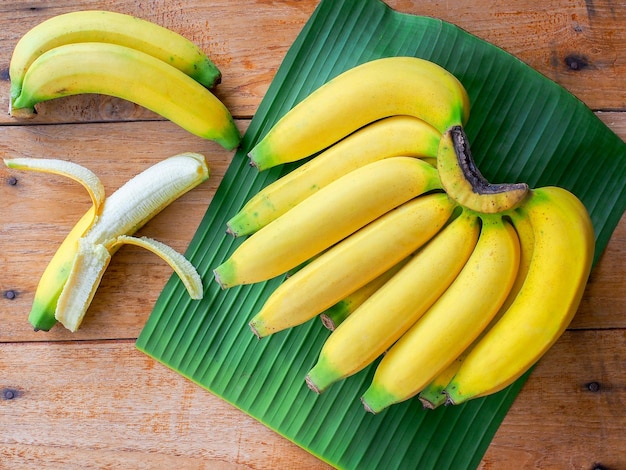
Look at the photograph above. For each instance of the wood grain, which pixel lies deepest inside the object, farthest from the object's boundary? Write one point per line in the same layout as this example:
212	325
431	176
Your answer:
91	400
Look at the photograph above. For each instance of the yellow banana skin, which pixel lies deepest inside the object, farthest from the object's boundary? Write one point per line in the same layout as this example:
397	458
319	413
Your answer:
132	75
55	276
115	28
359	96
332	317
326	217
546	303
462	180
390	137
383	318
453	322
353	263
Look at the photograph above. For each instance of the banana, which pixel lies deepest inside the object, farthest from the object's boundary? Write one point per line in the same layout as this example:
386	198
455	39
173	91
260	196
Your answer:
361	95
383	318
333	316
454	320
71	278
326	217
462	180
114	28
129	74
390	137
433	394
352	263
561	261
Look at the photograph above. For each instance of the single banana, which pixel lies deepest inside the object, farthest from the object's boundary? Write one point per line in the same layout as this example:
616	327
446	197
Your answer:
69	282
114	28
454	320
353	263
390	137
462	180
563	249
326	217
333	316
433	395
359	96
132	75
394	308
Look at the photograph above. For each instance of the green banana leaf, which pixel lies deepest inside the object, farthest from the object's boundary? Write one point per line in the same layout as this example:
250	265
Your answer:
523	127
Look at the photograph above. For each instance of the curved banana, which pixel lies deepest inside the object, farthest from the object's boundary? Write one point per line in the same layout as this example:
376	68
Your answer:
433	394
563	251
114	28
359	96
454	320
462	180
353	263
132	75
333	316
390	137
326	217
383	318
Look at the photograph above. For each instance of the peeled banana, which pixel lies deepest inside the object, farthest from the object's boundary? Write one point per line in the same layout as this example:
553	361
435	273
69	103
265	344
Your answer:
69	283
114	28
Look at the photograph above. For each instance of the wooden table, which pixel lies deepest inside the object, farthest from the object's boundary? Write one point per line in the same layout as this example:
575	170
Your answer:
91	400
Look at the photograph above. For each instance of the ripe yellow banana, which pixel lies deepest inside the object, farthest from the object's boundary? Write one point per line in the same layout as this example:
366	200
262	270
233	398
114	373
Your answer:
69	282
114	28
390	137
563	250
462	180
353	263
129	74
454	320
361	95
326	217
383	318
333	316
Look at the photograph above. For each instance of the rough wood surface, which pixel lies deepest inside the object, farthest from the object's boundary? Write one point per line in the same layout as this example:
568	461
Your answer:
91	400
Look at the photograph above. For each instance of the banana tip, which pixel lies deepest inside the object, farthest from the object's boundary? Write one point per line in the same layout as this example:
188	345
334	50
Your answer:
312	385
367	407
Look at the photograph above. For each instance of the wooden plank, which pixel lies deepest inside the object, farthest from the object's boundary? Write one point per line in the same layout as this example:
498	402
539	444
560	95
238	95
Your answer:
87	405
578	44
106	405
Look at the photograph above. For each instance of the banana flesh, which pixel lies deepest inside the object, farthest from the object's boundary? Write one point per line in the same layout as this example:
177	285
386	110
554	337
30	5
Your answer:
371	91
114	28
71	279
130	74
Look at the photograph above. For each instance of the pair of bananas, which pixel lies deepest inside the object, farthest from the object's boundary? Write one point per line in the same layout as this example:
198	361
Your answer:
392	236
120	55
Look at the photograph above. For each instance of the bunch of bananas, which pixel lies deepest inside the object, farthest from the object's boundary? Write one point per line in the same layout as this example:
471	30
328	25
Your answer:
393	237
119	55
